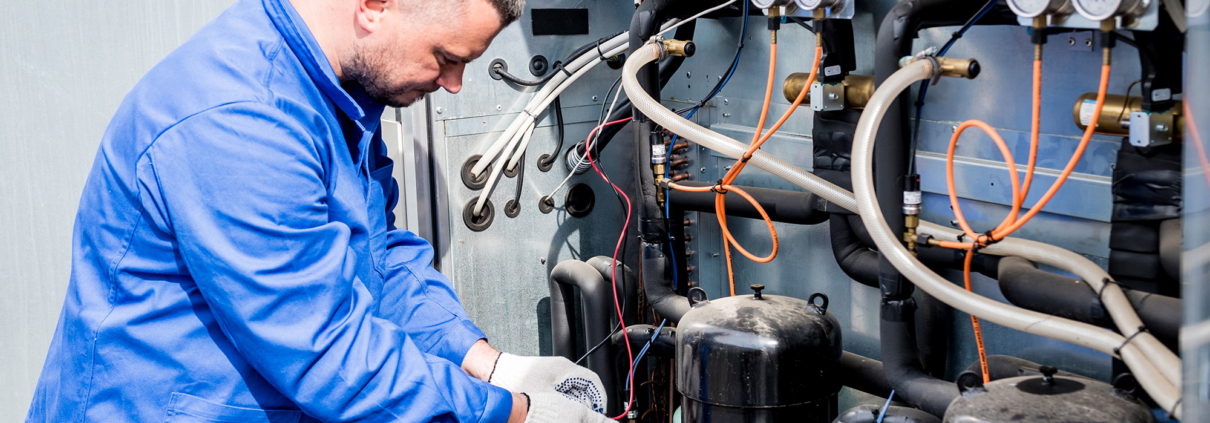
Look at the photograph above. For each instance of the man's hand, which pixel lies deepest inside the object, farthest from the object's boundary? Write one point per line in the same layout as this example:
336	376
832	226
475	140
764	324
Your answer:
555	375
551	407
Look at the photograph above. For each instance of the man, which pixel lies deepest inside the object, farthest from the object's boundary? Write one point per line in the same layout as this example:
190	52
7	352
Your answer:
234	259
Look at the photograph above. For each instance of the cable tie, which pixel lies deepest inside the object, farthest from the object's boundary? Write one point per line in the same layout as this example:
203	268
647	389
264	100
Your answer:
1101	294
1117	351
559	66
599	54
745	159
1174	407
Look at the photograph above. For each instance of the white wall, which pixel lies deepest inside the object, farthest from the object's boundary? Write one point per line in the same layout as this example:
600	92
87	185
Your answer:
64	68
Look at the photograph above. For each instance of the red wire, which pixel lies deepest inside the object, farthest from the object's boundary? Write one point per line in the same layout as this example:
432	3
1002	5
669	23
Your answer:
613	267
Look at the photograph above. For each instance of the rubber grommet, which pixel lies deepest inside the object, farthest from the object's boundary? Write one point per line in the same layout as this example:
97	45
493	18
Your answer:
516	169
546	205
543	164
493	65
469	180
512	208
478	223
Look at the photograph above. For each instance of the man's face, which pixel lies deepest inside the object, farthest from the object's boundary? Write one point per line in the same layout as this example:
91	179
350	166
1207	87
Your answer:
413	53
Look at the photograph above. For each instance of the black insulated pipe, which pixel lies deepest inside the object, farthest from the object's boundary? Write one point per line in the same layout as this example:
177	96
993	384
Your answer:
901	363
662	345
660	295
863	374
781	205
597	302
1028	287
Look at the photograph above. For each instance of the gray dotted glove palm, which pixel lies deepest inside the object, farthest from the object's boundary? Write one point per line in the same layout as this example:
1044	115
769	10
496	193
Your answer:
554	407
538	375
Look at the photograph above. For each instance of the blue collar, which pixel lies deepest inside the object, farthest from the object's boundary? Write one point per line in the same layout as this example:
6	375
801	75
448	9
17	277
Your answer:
356	105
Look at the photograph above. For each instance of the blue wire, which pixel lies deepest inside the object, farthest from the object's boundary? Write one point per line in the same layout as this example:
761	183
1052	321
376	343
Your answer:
668	170
882	414
924	86
634	367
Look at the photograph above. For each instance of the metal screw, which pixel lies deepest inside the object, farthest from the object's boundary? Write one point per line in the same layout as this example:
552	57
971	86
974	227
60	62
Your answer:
594	99
703	170
499	107
688	74
832	96
1161	127
1088	42
542	260
440	110
1071	41
954	128
726	115
726	101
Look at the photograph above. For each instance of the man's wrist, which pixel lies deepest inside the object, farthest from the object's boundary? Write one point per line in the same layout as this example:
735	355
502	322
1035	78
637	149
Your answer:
520	409
480	360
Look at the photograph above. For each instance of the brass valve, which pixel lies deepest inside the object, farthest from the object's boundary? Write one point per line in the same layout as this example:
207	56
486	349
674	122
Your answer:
857	89
680	48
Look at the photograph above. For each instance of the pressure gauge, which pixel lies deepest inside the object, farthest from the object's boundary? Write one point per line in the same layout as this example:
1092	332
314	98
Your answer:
815	4
1035	8
765	4
1099	10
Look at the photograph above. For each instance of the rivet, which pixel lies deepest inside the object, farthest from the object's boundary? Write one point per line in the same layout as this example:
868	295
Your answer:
499	107
703	170
688	74
440	110
594	99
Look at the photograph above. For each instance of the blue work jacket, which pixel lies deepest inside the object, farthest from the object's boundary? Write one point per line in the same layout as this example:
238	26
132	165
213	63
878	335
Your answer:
234	258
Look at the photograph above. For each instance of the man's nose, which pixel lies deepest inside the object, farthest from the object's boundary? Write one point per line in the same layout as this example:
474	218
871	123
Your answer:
451	78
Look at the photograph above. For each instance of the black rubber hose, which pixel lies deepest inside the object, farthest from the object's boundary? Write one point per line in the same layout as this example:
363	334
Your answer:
781	205
901	363
1028	287
598	315
546	160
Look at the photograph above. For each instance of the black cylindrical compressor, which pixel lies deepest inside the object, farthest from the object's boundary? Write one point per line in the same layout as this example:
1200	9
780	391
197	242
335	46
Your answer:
758	358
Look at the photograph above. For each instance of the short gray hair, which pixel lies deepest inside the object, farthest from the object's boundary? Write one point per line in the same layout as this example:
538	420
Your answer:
510	10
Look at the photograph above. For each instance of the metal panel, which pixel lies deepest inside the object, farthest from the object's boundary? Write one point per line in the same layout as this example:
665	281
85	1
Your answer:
501	273
61	86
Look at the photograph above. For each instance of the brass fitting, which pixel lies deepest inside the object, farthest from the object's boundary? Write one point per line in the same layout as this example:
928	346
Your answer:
857	89
910	223
659	182
818	14
680	48
1115	114
961	68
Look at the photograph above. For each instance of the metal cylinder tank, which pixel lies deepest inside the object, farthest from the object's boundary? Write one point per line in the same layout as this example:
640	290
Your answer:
758	358
1048	398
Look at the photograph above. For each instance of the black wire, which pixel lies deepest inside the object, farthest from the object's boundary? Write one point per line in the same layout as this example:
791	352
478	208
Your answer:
616	328
550	159
596	148
528	83
924	85
622	255
802	23
520	179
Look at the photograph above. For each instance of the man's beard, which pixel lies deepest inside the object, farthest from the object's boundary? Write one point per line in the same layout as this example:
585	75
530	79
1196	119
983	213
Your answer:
371	75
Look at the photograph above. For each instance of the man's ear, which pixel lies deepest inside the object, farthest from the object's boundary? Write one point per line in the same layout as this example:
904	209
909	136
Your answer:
370	13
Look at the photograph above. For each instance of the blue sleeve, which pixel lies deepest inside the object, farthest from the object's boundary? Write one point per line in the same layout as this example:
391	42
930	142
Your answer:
243	190
416	296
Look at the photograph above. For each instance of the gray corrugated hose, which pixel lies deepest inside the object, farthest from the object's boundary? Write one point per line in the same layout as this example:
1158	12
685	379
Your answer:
1159	384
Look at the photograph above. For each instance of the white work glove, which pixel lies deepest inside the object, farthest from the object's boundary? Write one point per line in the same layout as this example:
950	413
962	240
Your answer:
537	375
553	407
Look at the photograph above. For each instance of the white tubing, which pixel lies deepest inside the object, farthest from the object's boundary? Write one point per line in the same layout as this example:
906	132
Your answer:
1151	378
544	96
526	132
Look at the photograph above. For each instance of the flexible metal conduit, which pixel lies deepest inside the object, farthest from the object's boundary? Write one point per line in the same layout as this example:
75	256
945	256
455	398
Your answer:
1163	391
